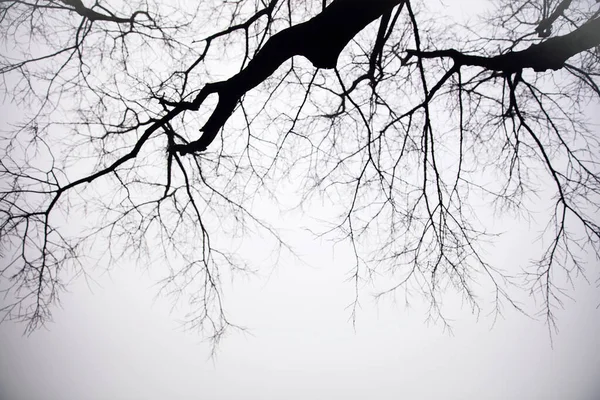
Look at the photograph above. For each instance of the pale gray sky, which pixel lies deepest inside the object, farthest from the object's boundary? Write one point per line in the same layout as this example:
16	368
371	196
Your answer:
117	342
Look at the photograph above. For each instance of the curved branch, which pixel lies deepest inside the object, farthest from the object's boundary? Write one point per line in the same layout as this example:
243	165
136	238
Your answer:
320	39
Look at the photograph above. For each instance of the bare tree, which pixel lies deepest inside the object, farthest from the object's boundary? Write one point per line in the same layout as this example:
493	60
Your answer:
160	123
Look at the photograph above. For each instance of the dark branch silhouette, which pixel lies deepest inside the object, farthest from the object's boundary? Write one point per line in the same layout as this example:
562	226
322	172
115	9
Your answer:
550	54
320	40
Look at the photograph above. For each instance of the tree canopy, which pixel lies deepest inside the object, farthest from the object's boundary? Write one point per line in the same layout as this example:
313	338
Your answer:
151	130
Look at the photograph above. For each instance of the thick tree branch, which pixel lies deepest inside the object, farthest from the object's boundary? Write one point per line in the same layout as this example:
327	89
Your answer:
320	39
550	54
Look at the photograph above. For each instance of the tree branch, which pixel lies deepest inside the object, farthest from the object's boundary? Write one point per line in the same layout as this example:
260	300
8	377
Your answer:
320	39
550	54
545	27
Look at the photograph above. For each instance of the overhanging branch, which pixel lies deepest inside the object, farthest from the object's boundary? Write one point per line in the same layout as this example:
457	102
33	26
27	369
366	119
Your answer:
320	39
550	54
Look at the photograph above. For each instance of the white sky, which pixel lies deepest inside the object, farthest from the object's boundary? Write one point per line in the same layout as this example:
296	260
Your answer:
115	340
118	342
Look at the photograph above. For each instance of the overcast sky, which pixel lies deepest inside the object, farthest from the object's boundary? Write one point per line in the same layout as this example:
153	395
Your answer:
114	339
